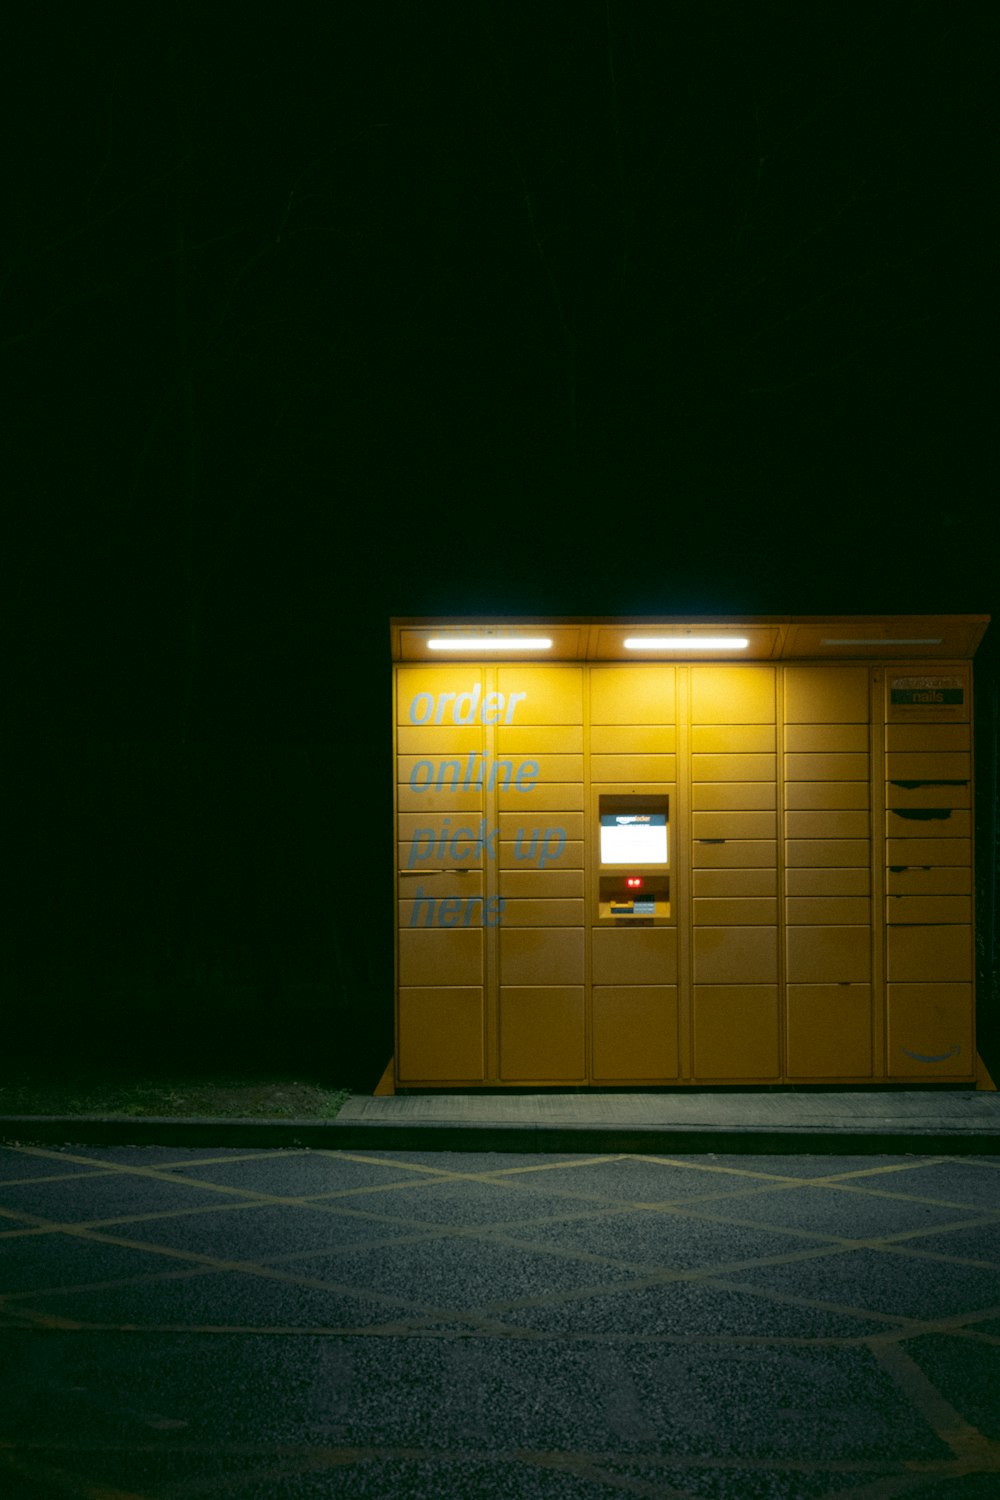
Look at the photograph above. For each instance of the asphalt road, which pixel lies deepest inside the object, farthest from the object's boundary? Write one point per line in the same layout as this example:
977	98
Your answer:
276	1324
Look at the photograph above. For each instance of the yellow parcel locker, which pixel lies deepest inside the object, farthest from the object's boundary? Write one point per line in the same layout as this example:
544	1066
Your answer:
697	853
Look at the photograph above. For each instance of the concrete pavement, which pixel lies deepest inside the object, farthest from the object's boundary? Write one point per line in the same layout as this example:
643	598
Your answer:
956	1121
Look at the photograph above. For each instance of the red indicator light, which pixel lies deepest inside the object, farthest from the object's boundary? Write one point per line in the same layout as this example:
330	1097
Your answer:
634	882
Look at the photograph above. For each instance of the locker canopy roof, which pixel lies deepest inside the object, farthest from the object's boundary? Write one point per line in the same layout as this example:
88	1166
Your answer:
674	638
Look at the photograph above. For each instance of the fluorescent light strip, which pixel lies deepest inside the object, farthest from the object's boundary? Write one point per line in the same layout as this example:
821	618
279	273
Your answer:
489	643
685	642
857	640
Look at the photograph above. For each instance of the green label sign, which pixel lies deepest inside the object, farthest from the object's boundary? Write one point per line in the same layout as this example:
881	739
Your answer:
922	690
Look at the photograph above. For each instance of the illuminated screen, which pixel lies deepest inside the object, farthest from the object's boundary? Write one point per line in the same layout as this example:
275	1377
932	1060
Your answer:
633	838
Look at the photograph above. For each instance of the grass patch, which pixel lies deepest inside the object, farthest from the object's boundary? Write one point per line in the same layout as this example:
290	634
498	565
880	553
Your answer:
177	1097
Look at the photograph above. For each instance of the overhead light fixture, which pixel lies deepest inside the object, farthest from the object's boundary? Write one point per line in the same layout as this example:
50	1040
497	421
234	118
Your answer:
489	643
882	640
685	642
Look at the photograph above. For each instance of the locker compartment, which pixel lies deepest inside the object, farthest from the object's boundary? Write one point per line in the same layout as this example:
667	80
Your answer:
826	737
829	1031
429	801
735	882
635	1033
834	881
552	694
733	767
633	739
549	768
826	695
733	739
431	956
735	854
546	796
929	880
845	911
735	1029
434	681
541	1033
446	881
734	825
734	955
424	904
718	911
905	910
541	955
441	1035
539	739
828	955
827	825
745	796
820	853
632	695
927	737
833	766
732	695
634	955
928	765
958	794
540	844
929	954
427	862
511	824
928	822
546	913
439	739
930	1031
529	884
802	796
629	768
928	851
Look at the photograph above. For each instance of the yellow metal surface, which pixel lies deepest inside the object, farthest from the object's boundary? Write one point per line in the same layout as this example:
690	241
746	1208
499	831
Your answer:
828	954
842	953
633	739
804	796
826	737
831	881
732	955
542	1034
734	825
829	1031
736	1032
741	796
541	955
826	766
635	1033
708	854
735	882
634	955
827	824
732	695
843	910
440	956
733	768
826	695
817	853
733	739
937	953
737	911
636	694
440	1034
930	1031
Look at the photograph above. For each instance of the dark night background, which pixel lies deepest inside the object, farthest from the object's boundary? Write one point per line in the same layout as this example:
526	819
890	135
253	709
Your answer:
316	314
